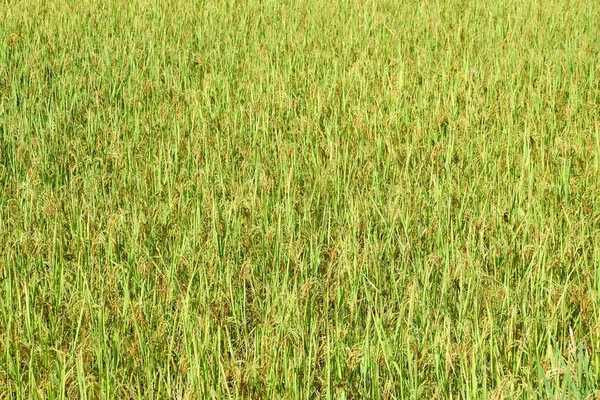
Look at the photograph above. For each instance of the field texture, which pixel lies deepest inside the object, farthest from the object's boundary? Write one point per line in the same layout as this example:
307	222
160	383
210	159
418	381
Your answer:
300	199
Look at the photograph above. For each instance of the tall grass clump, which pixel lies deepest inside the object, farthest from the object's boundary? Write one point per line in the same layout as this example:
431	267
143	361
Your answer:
349	199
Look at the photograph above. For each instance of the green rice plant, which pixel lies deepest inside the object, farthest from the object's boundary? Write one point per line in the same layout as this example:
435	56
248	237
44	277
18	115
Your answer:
299	199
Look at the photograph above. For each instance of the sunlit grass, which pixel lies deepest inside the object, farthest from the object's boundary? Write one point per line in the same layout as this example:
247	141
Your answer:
299	199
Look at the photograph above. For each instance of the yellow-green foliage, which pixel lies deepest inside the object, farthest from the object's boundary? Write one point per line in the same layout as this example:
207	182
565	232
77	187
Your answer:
300	199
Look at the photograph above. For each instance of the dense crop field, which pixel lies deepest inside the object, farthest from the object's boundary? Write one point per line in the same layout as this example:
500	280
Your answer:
303	199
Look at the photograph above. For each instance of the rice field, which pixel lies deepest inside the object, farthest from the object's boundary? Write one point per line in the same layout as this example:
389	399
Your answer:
263	199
